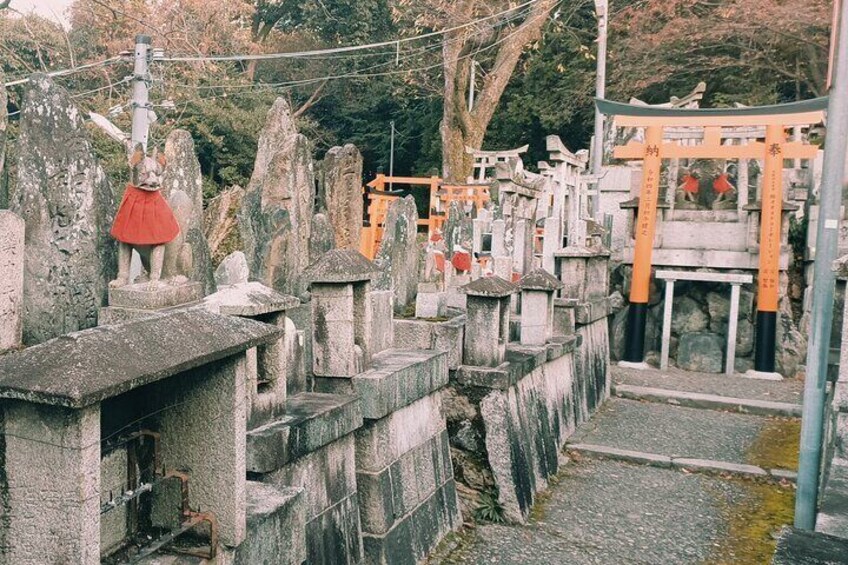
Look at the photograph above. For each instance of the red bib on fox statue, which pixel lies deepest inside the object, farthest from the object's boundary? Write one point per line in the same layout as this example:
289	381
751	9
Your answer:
144	218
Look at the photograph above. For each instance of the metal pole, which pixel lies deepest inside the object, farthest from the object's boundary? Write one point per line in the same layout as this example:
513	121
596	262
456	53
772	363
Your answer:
141	99
812	422
600	91
392	155
471	85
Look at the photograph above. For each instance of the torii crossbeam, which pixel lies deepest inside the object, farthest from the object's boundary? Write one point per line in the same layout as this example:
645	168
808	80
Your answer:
776	119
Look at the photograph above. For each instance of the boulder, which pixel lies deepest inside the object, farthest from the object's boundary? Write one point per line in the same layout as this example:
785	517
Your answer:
276	214
232	270
688	316
744	338
718	306
700	351
67	204
220	223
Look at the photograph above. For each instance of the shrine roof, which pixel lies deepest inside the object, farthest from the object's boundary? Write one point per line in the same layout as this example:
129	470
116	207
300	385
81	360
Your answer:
794	113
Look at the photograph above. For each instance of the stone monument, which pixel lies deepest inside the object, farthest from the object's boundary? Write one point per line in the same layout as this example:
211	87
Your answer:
275	218
12	281
398	256
341	194
65	200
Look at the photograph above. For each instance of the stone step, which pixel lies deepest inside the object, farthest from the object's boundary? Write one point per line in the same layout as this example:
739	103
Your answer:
678	432
688	464
788	390
707	401
311	421
799	547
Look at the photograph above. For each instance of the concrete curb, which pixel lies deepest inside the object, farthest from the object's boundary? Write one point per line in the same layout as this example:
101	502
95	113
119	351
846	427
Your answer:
687	463
707	401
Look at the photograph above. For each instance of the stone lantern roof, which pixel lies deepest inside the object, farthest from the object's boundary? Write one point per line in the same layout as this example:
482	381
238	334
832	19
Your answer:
539	279
490	287
341	266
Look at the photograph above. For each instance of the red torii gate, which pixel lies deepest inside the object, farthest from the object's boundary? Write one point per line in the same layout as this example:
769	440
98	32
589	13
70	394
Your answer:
776	119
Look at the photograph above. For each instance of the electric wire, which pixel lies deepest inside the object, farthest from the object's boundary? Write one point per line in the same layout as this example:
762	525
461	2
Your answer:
346	49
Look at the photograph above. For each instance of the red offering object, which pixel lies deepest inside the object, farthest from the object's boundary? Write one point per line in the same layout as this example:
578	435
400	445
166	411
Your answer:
721	185
690	184
440	261
461	261
144	218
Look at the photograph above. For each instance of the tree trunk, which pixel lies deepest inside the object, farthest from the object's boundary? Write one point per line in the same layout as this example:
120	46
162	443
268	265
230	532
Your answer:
460	127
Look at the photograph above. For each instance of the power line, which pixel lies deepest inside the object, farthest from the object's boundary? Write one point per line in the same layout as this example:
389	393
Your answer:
356	74
346	49
65	72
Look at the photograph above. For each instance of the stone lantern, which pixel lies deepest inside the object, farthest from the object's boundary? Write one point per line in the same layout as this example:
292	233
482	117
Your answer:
487	327
341	319
537	304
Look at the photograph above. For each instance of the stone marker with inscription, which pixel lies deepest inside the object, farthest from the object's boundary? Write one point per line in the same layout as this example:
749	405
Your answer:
12	279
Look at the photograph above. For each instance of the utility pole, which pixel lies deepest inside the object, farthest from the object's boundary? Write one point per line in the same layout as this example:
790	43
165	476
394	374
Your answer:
600	91
833	170
141	99
392	155
471	85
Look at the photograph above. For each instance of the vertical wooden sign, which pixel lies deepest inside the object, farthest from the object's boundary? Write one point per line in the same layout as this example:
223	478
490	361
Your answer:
644	229
769	274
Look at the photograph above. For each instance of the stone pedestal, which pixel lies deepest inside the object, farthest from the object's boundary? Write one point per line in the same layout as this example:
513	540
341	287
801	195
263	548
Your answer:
139	300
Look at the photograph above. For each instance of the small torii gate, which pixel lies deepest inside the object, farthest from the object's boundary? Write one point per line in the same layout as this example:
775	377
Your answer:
773	151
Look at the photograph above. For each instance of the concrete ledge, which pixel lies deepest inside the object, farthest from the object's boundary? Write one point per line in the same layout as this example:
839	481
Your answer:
440	336
641	366
708	401
752	374
397	378
418	533
691	464
276	518
622	454
588	312
798	547
833	514
719	466
312	420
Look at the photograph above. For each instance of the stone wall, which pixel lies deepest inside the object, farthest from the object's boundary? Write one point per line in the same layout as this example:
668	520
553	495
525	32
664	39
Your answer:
699	327
508	426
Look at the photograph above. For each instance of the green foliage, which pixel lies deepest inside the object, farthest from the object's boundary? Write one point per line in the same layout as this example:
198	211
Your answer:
489	509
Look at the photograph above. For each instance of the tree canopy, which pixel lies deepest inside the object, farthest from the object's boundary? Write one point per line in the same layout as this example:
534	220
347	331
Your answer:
535	65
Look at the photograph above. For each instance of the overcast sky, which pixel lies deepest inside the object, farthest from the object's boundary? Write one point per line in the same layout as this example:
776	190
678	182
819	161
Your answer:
52	9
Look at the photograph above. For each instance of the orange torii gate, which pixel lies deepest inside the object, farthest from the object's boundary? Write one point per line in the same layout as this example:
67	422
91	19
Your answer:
773	151
441	195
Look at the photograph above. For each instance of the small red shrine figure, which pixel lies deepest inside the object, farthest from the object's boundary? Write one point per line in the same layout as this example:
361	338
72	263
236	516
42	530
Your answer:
690	186
144	221
722	186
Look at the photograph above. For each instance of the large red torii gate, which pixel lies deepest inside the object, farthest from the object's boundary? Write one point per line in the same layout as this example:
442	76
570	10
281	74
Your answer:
776	119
